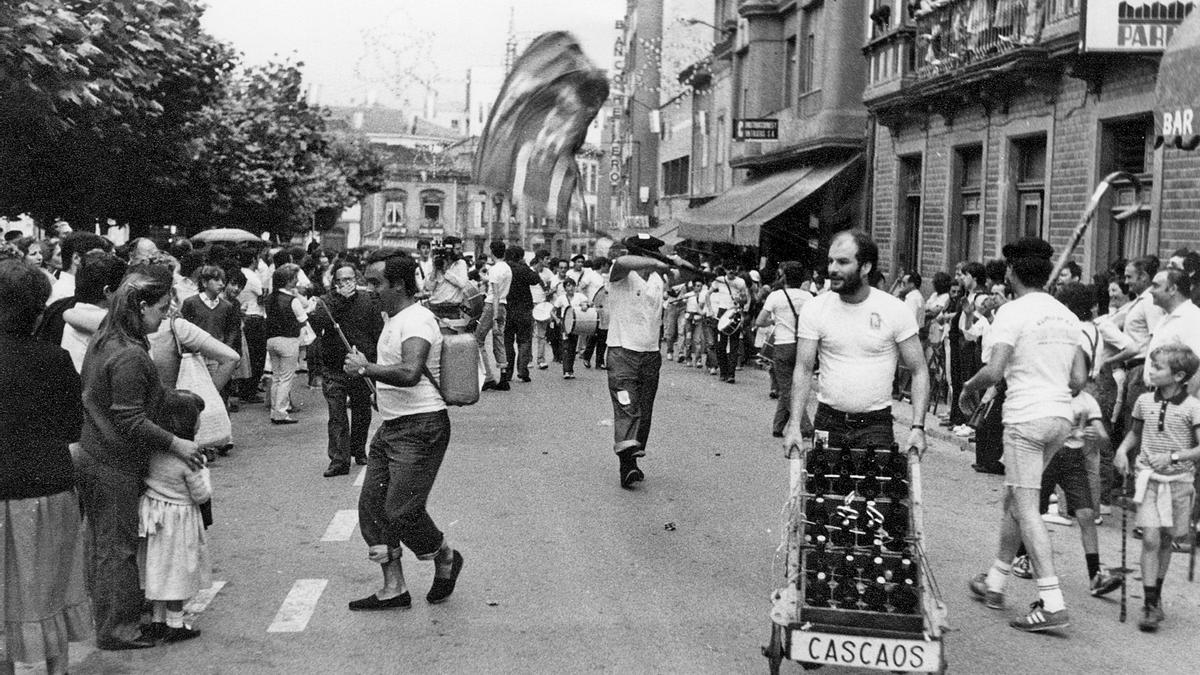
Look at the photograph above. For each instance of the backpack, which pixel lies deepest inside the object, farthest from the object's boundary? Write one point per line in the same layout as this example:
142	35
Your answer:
459	381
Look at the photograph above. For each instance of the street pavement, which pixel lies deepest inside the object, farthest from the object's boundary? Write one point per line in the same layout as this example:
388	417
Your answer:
566	572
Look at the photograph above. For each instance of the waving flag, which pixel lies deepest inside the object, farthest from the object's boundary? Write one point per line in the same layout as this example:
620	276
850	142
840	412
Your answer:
538	123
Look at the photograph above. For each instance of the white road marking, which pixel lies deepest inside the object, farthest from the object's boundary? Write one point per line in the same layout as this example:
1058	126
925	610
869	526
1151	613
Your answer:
298	606
342	526
200	602
362	476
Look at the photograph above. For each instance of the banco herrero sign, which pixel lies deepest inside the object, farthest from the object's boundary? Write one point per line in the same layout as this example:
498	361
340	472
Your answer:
1136	26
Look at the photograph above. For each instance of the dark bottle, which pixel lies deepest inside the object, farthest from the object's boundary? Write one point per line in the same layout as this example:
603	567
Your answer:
818	593
816	514
869	486
896	460
897	485
905	570
875	567
904	597
818	467
818	559
846	570
844	484
847	594
839	536
846	460
870	460
874	595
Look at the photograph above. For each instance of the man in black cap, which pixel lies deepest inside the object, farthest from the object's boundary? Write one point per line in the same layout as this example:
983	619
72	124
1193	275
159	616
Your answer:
636	286
1036	349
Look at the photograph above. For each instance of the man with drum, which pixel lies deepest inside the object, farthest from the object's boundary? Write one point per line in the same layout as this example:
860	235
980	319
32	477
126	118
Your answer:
860	333
636	287
728	301
572	303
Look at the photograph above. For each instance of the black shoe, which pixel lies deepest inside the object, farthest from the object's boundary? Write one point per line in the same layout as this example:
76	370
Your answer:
488	384
337	470
523	378
120	645
154	631
777	434
286	420
773	395
502	385
360	460
180	634
628	471
372	603
247	400
442	588
995	469
224	449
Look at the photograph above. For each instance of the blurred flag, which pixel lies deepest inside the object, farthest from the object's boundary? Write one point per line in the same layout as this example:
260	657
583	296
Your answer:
538	123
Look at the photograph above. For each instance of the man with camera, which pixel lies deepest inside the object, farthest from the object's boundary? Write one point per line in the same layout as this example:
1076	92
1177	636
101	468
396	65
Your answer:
447	281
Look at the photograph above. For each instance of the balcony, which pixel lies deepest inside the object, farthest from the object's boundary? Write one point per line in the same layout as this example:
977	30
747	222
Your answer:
960	33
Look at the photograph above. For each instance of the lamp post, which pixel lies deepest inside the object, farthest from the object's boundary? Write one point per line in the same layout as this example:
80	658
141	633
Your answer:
687	21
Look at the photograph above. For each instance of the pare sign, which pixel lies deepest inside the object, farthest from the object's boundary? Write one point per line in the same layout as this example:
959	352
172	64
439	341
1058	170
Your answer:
1178	122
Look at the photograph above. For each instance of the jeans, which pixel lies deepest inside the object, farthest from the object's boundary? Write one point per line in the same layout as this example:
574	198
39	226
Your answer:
569	343
597	343
781	375
285	356
519	329
110	502
632	385
401	469
493	321
989	437
670	324
857	430
349	401
255	330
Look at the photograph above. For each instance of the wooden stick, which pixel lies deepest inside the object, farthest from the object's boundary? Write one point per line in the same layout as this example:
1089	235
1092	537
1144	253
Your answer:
1089	213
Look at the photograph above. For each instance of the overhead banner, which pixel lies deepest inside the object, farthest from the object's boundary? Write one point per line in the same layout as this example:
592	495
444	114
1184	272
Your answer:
1133	26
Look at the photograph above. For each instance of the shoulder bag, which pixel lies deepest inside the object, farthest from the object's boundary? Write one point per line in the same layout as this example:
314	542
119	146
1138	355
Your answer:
767	351
213	428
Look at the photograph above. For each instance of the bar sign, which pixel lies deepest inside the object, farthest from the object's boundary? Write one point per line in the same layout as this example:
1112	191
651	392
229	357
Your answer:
755	129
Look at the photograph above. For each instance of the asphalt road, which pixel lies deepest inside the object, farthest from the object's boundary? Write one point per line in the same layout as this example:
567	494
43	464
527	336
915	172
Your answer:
567	572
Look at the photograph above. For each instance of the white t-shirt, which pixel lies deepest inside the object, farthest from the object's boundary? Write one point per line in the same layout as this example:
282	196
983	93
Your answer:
635	312
858	346
1181	326
250	297
413	321
781	312
590	281
1044	335
916	303
499	282
63	287
1084	411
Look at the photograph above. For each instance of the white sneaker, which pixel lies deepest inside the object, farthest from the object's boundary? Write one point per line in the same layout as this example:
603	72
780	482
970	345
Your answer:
1053	497
1056	519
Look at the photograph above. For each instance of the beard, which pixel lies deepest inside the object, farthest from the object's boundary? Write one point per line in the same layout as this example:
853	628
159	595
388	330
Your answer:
850	285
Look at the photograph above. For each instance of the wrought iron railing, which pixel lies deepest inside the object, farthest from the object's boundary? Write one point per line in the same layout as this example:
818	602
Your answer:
952	34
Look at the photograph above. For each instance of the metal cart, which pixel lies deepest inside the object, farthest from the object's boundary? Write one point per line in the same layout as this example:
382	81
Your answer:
872	610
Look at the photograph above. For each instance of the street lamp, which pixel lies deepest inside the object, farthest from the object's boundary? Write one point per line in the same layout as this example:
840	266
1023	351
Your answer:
701	22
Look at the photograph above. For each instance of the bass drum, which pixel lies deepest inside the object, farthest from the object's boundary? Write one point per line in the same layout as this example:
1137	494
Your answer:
542	311
729	322
582	323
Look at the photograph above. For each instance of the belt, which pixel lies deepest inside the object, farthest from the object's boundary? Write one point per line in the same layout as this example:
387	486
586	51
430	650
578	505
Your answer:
869	417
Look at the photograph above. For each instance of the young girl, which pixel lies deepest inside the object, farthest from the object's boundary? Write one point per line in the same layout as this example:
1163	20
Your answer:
575	300
173	557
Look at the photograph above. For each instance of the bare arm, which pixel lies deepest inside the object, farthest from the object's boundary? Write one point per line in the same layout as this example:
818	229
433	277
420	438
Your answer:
806	357
413	355
913	357
635	263
1079	372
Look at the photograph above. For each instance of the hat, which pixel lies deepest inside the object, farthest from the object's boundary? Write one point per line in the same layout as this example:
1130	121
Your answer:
1028	247
643	241
579	256
451	240
755	276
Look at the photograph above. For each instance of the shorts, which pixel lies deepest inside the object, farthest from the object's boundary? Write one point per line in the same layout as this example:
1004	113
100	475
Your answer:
1181	507
1068	470
1029	446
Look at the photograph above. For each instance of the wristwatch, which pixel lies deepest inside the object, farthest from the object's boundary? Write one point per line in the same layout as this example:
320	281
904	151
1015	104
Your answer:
1174	457
362	371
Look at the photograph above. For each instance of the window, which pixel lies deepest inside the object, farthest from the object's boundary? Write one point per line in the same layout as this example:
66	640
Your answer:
675	176
498	209
431	207
809	27
789	71
394	204
1128	145
1029	159
966	237
910	227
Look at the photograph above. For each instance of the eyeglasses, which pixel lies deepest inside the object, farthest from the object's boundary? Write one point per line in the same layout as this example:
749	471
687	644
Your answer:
345	280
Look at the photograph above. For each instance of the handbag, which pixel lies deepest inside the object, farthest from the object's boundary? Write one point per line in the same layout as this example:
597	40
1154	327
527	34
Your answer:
767	351
214	428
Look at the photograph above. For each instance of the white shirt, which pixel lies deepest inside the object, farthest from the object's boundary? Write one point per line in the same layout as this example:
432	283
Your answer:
76	335
64	287
916	303
538	290
1143	316
499	282
635	312
858	346
1044	336
443	291
250	297
413	321
590	281
726	294
782	314
1180	326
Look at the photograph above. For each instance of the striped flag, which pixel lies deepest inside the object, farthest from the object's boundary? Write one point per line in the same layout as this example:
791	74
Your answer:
538	123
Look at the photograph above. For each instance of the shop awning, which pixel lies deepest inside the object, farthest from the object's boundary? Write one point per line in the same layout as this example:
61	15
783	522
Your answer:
737	216
1178	91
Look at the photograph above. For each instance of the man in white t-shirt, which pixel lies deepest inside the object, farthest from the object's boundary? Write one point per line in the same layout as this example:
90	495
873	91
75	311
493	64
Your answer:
495	307
781	311
1036	350
636	286
910	292
861	333
408	448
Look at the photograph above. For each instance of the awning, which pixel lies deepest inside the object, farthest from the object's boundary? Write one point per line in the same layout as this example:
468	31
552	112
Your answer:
737	216
1178	91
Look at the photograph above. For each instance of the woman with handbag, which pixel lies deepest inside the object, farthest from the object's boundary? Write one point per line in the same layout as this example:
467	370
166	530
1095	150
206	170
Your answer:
781	311
122	394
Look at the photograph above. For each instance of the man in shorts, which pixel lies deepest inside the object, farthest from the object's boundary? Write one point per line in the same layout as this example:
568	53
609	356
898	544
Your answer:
1036	350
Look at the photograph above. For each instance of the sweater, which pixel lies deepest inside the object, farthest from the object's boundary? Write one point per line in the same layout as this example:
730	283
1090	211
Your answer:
224	322
40	414
361	321
121	398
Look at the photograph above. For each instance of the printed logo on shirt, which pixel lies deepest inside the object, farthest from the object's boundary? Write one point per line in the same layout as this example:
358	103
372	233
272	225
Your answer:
876	321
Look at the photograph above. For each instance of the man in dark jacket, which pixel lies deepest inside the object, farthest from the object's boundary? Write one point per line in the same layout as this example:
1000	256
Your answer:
518	329
358	315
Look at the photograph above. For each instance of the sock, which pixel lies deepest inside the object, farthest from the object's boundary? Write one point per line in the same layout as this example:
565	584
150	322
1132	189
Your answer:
175	619
1050	594
997	576
1021	550
1093	564
1151	595
1158	588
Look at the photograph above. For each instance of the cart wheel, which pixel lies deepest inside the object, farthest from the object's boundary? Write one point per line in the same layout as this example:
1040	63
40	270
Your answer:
774	649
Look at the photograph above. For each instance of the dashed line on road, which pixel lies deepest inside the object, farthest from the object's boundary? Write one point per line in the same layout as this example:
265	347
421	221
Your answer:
362	476
298	606
342	526
200	602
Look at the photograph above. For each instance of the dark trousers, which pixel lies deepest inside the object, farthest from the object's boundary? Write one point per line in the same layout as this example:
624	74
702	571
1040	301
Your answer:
782	368
597	343
554	337
110	502
401	469
349	401
569	343
255	329
1134	387
632	386
855	430
518	342
964	363
989	437
729	350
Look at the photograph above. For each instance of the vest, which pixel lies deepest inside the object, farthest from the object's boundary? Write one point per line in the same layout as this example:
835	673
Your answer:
281	320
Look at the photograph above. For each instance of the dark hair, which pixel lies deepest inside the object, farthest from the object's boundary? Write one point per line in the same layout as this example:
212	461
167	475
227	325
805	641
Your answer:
793	273
995	269
497	248
867	252
23	244
180	412
210	272
124	319
1147	264
81	243
246	256
233	274
281	257
180	246
1031	272
1181	281
1077	298
915	278
977	272
1073	267
24	290
190	262
284	275
514	254
401	271
942	282
97	271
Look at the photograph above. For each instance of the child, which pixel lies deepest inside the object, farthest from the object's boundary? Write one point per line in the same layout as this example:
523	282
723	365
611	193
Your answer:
173	557
575	300
1164	423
